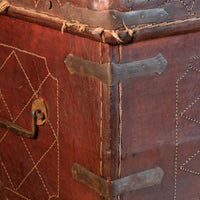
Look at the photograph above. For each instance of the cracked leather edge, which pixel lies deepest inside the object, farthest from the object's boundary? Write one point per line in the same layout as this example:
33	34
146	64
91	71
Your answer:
124	35
113	19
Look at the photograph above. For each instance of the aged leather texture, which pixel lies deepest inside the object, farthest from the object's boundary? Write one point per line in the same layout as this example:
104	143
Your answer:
32	66
189	6
179	16
115	131
178	9
160	118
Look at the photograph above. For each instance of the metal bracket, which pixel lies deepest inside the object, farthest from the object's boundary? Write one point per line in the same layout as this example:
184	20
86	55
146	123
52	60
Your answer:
107	189
113	19
111	73
107	19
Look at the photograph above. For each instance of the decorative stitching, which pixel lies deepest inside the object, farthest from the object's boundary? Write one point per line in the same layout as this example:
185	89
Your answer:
58	131
6	105
35	95
17	193
190	158
59	3
4	136
23	51
182	114
58	143
36	3
53	131
176	150
6	60
36	164
101	116
188	8
185	4
190	119
189	171
53	196
177	131
194	68
190	105
6	171
24	72
193	58
37	170
192	7
165	24
120	116
120	120
6	133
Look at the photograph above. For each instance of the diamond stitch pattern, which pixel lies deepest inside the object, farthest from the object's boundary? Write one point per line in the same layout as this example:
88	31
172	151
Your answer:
23	173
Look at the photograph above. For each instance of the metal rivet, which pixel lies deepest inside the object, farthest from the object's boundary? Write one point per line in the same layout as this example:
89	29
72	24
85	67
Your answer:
142	16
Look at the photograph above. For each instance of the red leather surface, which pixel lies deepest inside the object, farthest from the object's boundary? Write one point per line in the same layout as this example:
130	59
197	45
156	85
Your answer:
161	118
152	121
32	66
178	9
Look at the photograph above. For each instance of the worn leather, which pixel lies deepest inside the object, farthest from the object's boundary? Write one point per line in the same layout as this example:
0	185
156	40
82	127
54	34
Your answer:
179	9
142	123
160	118
32	66
181	16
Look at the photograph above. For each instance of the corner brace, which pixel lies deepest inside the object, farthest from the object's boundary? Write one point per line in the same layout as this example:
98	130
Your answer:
111	73
114	19
117	187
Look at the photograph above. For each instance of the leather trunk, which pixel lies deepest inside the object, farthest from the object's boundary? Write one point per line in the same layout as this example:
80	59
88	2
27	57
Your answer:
99	100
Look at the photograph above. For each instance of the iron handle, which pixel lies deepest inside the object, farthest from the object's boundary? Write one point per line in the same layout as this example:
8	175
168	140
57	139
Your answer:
39	117
18	130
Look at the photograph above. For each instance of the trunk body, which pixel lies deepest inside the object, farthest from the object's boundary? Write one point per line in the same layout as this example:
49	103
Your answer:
134	135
